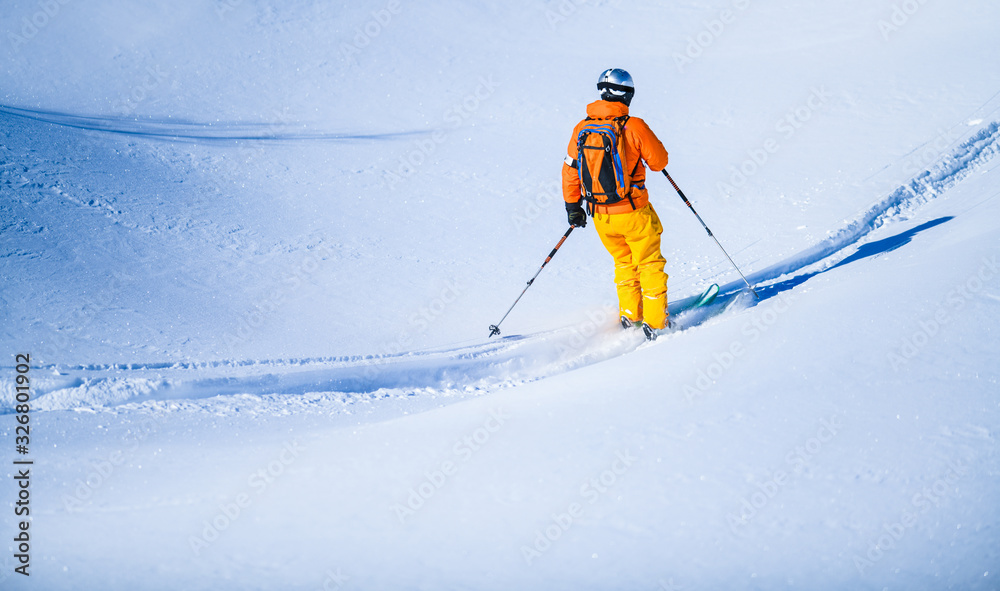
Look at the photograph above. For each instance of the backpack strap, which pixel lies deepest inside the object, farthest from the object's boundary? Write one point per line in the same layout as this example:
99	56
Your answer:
624	120
632	186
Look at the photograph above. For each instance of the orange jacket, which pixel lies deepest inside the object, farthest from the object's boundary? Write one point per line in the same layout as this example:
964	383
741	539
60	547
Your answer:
640	143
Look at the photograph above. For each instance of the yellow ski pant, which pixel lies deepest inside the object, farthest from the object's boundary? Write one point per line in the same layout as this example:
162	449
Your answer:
633	239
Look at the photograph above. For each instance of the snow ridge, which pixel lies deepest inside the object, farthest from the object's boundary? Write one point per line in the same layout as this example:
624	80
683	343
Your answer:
469	370
899	205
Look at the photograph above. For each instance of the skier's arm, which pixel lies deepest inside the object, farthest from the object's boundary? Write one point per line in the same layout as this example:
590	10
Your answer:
650	147
570	184
570	176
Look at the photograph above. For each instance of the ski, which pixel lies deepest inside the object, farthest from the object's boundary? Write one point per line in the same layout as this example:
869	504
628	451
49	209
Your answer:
707	297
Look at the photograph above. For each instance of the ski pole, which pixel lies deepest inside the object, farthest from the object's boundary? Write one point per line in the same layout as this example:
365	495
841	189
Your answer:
688	203
495	328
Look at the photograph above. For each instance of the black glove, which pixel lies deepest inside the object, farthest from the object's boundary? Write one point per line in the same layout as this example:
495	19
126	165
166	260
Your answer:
577	216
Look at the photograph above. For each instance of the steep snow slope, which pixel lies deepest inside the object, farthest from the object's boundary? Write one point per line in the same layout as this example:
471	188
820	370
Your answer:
242	240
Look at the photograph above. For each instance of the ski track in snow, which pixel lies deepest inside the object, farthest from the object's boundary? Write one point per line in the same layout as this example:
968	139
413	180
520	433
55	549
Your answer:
193	131
325	384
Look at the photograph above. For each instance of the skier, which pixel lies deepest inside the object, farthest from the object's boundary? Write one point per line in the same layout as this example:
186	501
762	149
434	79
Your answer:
606	167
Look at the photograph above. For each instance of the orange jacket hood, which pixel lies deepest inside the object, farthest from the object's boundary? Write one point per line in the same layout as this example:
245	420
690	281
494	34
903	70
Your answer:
606	110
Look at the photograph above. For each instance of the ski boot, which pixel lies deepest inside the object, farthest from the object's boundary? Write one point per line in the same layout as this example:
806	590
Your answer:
651	333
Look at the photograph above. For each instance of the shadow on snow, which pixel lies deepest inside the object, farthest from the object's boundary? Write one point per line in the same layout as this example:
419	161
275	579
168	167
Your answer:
871	249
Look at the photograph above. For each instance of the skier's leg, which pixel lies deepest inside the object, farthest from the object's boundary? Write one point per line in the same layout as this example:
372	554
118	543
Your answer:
626	273
644	242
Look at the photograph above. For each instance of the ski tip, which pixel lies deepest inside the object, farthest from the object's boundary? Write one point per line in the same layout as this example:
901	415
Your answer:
708	296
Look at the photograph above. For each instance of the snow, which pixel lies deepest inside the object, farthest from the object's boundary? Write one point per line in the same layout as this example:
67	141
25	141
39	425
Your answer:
254	248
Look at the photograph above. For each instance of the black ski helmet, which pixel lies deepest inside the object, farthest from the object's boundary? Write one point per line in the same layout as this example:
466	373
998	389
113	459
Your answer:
616	85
